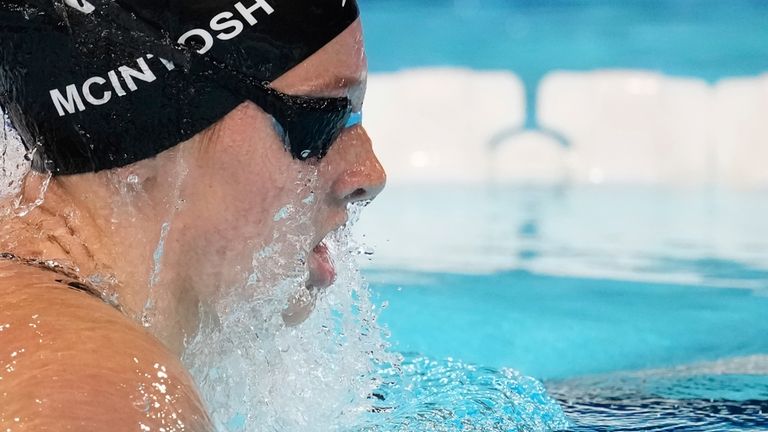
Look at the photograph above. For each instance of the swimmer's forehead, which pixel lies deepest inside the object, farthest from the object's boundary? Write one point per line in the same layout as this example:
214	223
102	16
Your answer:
339	69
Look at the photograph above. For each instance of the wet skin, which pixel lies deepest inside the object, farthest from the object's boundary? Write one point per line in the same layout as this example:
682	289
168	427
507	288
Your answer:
77	362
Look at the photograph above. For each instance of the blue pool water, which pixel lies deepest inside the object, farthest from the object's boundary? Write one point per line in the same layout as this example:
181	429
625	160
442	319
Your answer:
639	308
558	327
616	355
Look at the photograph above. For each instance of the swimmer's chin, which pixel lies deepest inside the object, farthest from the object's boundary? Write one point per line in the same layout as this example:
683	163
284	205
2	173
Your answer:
300	307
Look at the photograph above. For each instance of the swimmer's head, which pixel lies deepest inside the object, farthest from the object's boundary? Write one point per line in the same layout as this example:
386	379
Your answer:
241	143
92	85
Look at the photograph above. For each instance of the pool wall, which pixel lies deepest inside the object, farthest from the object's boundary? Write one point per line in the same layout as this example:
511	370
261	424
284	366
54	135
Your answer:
452	125
670	92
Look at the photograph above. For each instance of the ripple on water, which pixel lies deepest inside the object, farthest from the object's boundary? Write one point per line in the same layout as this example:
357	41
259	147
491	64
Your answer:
673	400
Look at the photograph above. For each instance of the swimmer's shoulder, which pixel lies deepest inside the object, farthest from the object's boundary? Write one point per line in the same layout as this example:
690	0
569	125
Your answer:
71	362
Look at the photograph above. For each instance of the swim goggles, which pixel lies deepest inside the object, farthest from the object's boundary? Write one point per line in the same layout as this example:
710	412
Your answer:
309	125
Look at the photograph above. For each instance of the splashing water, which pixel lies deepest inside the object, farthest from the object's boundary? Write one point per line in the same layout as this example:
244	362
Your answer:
258	374
429	395
14	163
334	371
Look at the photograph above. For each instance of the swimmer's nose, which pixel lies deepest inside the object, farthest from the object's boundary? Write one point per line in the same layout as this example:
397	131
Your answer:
362	177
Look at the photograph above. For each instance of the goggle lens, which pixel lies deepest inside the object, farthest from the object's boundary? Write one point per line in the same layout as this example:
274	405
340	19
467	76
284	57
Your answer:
310	125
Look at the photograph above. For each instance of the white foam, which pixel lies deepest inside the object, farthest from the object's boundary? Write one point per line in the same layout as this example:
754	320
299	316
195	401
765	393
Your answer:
255	373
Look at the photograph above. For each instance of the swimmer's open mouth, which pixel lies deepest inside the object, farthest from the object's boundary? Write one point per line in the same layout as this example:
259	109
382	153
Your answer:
322	272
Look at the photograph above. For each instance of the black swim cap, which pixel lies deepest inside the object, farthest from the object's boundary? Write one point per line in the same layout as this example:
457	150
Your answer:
97	84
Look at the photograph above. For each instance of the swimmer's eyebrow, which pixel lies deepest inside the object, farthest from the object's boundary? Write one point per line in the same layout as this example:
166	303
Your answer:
332	87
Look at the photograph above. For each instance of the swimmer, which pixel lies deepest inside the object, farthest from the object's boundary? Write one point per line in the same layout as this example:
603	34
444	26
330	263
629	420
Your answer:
166	139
